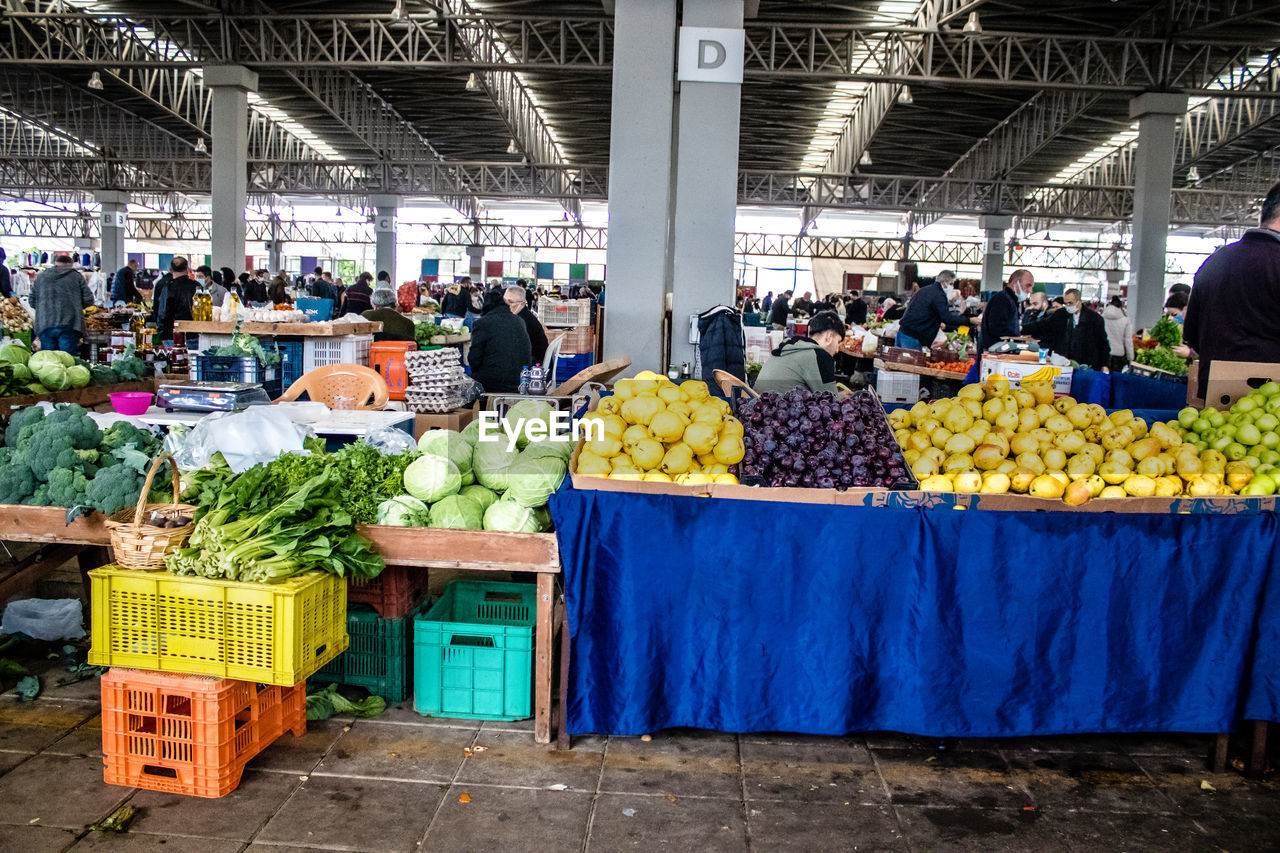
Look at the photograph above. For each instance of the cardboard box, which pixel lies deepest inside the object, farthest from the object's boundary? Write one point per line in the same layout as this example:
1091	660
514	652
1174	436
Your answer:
1193	385
1016	371
1231	380
455	420
1228	505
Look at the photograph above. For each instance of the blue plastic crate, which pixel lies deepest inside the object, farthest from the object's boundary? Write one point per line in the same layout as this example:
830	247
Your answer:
568	365
290	361
229	368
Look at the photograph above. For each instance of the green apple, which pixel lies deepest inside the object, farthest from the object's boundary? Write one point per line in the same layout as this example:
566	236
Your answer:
1270	389
1248	435
1220	443
1264	468
1261	484
1245	404
1228	430
1270	439
1201	426
1252	461
1188	416
1267	422
1216	418
1235	451
1200	446
1269	456
1273	405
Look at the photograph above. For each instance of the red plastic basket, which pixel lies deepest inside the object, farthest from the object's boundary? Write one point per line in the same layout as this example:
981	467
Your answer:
394	594
190	734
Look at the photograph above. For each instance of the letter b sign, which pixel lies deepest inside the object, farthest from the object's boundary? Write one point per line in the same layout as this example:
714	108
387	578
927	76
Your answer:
711	55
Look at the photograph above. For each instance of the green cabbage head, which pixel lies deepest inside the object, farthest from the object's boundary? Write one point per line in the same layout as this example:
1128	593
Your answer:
509	515
452	446
532	480
479	494
459	512
430	478
403	511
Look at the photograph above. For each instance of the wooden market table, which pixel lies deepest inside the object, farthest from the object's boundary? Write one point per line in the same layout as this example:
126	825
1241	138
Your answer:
931	372
418	547
91	396
303	330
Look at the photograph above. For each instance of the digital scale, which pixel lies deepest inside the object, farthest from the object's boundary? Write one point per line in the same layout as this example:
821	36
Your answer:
210	396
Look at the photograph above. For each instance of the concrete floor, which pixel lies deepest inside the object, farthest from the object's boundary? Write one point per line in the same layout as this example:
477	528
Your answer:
405	783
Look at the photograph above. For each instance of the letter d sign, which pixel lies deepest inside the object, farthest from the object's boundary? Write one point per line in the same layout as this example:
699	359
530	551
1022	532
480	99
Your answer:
711	55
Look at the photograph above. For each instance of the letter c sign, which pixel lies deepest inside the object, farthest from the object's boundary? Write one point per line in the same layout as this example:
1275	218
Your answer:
711	55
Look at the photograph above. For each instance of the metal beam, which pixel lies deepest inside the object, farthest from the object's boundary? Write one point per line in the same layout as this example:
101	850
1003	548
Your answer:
524	120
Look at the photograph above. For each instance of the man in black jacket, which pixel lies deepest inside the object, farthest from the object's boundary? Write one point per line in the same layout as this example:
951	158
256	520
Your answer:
780	311
1000	319
855	311
173	303
1077	332
124	287
1234	312
928	311
500	346
6	285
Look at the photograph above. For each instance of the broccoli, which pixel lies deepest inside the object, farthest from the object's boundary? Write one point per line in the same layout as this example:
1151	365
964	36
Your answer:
75	422
112	489
20	420
6	455
16	483
100	374
66	487
42	455
77	460
40	497
122	433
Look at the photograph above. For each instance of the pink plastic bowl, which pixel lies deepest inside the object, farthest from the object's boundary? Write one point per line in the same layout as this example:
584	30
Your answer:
131	402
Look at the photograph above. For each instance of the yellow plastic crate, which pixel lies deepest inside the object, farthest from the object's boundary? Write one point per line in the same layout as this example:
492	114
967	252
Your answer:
267	633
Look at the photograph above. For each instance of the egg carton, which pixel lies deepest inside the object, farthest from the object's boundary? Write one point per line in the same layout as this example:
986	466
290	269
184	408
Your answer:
417	360
433	377
453	389
435	407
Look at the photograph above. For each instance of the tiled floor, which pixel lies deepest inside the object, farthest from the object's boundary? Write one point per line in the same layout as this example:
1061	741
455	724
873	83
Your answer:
405	783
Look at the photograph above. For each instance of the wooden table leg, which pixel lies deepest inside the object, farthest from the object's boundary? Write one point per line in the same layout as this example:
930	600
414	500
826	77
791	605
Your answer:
542	660
92	557
563	740
1257	749
1218	753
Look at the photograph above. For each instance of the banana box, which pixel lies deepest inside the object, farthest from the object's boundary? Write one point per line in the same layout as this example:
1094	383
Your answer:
1017	370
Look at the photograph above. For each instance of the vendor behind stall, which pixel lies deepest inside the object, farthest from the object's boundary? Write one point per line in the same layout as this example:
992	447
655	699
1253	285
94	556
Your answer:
805	362
928	311
395	326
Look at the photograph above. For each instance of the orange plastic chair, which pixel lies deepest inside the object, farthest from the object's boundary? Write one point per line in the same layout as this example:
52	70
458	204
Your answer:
355	381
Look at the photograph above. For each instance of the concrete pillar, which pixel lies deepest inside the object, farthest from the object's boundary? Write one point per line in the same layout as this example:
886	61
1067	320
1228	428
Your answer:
1157	114
640	181
384	233
706	168
231	85
993	250
114	219
275	252
1114	277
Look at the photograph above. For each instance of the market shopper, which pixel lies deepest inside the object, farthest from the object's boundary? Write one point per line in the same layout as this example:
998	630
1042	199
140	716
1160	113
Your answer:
124	287
500	346
780	311
537	334
254	289
278	293
395	326
457	299
803	305
359	296
1175	307
173	302
1119	334
58	297
929	310
855	309
1234	312
6	283
805	362
767	302
1001	319
1077	332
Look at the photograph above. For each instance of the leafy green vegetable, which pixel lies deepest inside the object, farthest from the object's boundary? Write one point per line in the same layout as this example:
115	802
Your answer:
403	511
327	702
509	515
452	446
1166	332
430	478
371	476
1162	358
457	511
424	332
533	479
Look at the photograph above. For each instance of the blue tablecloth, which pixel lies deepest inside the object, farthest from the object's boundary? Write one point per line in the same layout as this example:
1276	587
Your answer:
750	616
1127	391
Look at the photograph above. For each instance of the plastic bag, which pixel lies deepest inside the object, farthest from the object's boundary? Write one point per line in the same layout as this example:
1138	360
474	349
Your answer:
257	435
44	618
390	441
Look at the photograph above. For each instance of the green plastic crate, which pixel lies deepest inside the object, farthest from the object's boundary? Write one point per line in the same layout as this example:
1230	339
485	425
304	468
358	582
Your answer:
473	652
378	657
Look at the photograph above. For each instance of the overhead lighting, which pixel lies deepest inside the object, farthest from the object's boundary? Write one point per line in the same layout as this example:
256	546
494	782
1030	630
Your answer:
865	159
201	148
1193	175
904	97
473	82
95	81
397	11
973	25
512	148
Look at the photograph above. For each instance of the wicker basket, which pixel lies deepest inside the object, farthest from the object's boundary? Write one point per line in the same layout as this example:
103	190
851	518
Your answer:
142	546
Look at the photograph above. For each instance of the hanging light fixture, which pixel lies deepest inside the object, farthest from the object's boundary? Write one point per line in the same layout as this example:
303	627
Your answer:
865	159
1193	175
397	11
473	82
904	97
95	81
973	25
201	148
512	148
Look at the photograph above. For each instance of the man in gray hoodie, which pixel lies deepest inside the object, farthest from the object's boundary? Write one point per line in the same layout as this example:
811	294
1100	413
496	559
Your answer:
59	297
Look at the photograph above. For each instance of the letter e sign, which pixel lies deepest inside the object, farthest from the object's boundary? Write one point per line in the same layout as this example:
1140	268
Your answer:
711	55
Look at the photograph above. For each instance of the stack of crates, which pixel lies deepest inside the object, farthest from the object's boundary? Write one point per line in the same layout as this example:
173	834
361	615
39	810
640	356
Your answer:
473	652
205	674
347	349
380	624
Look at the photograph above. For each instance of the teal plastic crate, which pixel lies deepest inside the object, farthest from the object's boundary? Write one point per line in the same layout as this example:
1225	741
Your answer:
473	652
378	658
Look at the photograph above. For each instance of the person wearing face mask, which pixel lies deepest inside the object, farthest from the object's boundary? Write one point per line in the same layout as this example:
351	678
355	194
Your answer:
1077	332
1001	319
1175	307
929	310
807	362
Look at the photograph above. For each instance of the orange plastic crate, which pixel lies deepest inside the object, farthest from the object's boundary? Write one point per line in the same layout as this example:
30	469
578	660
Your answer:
190	734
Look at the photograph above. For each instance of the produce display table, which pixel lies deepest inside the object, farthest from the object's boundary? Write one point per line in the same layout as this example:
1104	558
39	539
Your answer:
305	330
85	539
689	611
89	397
338	423
930	372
